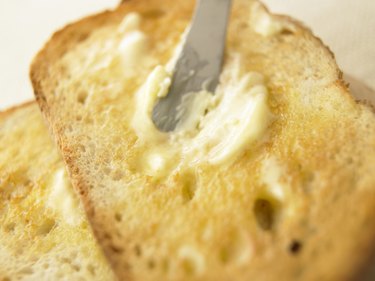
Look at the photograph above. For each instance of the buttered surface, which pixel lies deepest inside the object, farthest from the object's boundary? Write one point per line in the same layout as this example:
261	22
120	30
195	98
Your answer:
63	201
200	203
216	128
44	232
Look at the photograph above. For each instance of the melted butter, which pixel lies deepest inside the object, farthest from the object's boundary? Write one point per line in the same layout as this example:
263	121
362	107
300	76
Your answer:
217	128
192	110
158	160
63	201
131	22
265	24
236	116
271	176
156	86
134	45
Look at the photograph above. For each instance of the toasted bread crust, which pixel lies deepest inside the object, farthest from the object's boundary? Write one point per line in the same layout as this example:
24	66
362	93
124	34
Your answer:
5	113
295	268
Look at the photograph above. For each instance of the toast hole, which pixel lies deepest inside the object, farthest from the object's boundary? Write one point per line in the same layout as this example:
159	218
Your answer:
295	247
91	269
165	265
46	227
286	32
116	249
236	249
192	262
138	250
309	177
10	227
118	217
232	253
224	255
151	264
189	187
81	97
107	236
155	13
76	267
82	36
264	214
190	266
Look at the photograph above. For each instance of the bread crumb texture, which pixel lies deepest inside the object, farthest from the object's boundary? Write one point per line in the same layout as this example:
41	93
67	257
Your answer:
297	202
44	232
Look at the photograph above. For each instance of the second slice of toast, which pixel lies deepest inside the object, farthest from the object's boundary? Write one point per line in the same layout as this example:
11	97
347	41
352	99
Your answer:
44	232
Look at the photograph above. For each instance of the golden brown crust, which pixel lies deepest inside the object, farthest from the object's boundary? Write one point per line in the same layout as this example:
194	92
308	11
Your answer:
5	113
318	149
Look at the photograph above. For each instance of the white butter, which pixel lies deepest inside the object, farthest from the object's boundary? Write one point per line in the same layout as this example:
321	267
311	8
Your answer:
131	22
265	24
63	201
134	46
271	175
217	128
158	160
192	109
238	116
157	85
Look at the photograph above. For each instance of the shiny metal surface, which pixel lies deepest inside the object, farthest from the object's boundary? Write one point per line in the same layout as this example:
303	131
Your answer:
200	61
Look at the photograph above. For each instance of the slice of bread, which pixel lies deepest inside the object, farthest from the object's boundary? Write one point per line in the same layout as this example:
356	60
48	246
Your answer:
44	233
285	192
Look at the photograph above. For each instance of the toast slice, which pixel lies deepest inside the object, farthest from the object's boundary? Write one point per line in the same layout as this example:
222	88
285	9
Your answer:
271	180
44	232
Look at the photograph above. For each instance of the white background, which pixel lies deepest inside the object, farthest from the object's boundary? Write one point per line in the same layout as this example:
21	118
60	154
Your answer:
347	26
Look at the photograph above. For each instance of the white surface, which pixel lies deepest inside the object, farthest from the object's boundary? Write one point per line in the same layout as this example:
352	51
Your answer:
25	25
347	26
